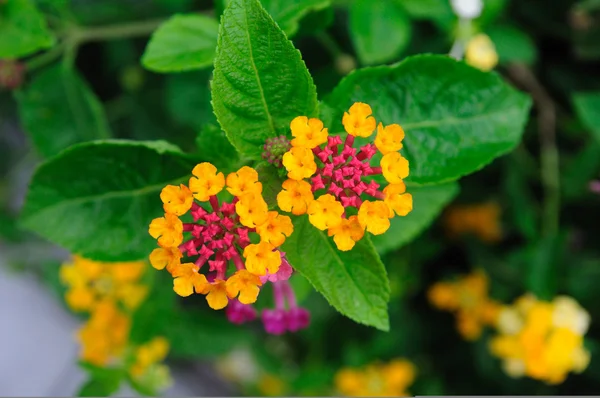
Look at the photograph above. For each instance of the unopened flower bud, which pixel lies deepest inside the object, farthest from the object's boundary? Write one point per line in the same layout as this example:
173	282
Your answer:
11	73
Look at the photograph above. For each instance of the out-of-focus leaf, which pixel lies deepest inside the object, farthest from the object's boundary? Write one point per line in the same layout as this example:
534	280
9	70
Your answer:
457	119
353	282
544	264
103	382
188	98
260	81
287	13
315	22
214	147
428	202
97	199
23	30
522	206
58	109
380	30
584	167
587	106
184	42
512	44
438	11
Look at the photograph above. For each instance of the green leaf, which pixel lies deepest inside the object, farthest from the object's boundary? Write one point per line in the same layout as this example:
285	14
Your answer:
457	119
103	382
271	179
521	202
428	202
587	107
438	11
580	170
543	266
58	109
97	199
188	98
184	42
260	81
287	13
353	282
214	147
23	29
380	30
512	45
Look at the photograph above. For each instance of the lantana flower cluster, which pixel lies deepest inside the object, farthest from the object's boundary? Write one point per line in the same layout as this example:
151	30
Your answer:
542	340
331	180
467	298
390	379
111	293
218	238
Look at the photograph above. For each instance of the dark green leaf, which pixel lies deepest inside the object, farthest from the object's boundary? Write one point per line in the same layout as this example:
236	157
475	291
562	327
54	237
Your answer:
287	13
428	202
587	106
97	199
353	282
214	147
103	382
457	119
584	167
260	81
512	44
522	206
380	30
438	11
184	42
543	266
58	109
188	98
22	29
271	180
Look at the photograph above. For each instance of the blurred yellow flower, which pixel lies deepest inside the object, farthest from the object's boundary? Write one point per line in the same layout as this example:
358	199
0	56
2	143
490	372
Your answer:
377	379
481	53
481	220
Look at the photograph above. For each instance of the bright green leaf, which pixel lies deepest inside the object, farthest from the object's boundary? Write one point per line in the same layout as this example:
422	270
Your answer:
103	382
58	109
184	42
512	44
438	11
457	119
587	106
287	13
23	30
428	202
353	282
260	81
97	199
380	30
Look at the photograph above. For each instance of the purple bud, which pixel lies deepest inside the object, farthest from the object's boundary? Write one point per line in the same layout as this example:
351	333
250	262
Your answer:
274	321
297	319
239	313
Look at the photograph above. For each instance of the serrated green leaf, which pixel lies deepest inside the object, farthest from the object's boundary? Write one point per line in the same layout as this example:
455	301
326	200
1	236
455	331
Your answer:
428	202
97	199
380	30
287	13
58	109
260	81
587	106
512	45
457	119
353	282
23	29
183	43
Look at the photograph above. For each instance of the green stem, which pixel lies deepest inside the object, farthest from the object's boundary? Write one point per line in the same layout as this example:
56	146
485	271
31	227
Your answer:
45	58
550	171
330	44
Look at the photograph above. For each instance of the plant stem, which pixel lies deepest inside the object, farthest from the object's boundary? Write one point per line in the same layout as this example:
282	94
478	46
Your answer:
330	44
549	156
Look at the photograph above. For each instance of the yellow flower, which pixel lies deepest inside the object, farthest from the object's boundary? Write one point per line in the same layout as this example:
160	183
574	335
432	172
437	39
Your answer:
308	132
300	163
374	216
244	181
389	138
126	271
271	386
397	200
148	354
166	257
245	284
482	220
168	230
394	167
131	295
358	120
80	298
261	258
325	212
207	181
176	200
399	373
481	53
252	209
217	298
347	233
376	379
295	197
187	279
468	325
443	296
275	229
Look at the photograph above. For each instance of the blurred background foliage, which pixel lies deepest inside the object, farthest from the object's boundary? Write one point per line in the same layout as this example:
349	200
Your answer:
530	226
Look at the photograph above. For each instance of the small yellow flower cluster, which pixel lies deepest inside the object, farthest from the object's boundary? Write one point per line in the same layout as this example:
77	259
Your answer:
468	299
102	289
542	340
481	220
481	52
377	379
111	292
218	236
338	175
